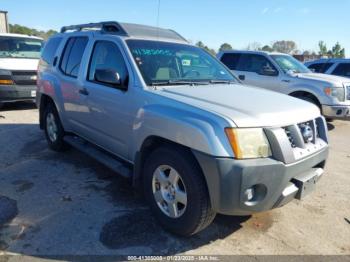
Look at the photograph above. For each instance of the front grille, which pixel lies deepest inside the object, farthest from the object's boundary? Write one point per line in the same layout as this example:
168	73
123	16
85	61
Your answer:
24	77
302	133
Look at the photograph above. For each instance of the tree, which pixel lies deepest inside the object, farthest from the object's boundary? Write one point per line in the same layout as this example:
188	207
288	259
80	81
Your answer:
225	46
338	51
323	49
284	46
267	48
255	46
19	29
206	48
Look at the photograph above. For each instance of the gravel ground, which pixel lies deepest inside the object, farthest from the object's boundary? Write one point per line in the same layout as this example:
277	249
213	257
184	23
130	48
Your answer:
68	204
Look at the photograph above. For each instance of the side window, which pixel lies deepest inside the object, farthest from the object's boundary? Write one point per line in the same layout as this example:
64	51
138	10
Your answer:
342	69
320	67
255	63
106	55
73	53
50	49
231	60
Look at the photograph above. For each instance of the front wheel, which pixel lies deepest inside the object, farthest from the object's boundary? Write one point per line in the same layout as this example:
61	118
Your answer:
176	191
54	131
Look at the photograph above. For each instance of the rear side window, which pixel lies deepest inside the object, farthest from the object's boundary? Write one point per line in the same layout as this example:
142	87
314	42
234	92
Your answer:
342	69
320	67
72	55
231	60
50	49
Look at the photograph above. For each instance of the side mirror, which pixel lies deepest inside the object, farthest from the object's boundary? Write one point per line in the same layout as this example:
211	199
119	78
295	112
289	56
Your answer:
109	77
268	71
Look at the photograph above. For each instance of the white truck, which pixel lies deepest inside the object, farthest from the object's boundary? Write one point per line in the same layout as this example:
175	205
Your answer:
19	58
282	73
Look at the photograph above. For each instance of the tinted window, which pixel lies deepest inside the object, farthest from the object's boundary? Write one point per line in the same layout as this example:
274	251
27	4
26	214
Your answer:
342	70
320	67
50	49
106	55
231	60
72	56
254	63
20	47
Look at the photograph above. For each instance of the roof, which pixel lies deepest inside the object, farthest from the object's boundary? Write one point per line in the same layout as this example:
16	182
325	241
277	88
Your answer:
252	52
20	36
127	30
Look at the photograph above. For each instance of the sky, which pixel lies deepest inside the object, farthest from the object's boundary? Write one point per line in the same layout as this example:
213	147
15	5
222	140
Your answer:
237	22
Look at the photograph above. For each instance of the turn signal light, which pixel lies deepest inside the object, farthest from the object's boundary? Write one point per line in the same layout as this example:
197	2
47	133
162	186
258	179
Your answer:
6	82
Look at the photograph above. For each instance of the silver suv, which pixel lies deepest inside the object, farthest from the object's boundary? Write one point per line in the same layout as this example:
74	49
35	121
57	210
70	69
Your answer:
282	73
173	119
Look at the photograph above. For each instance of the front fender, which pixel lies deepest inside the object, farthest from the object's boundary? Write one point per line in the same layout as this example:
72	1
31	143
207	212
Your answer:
316	91
203	132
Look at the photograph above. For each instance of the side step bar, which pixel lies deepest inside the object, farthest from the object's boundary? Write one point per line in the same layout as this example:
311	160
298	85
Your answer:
105	158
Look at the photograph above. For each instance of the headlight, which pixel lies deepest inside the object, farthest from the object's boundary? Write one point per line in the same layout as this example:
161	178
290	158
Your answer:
248	142
336	92
5	77
4	72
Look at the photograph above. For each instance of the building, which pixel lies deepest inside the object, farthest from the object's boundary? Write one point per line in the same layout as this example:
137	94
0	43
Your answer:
4	25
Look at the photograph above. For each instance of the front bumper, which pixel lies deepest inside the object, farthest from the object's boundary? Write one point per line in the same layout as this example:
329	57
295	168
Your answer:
275	183
336	111
13	93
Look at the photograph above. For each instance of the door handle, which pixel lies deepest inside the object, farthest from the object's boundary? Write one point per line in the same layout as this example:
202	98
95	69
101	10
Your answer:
241	77
84	92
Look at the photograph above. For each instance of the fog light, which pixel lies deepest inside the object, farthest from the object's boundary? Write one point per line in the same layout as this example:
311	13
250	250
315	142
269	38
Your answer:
249	194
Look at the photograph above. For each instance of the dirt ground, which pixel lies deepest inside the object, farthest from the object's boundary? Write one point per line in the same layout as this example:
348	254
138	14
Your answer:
68	204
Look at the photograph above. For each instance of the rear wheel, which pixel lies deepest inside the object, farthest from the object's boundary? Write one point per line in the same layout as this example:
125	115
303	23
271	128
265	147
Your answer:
54	131
176	191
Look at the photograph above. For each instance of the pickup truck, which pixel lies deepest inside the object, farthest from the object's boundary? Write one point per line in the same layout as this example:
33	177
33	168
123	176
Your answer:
19	57
332	66
172	119
282	73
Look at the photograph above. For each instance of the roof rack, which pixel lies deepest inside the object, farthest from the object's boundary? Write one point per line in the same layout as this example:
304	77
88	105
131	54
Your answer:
109	27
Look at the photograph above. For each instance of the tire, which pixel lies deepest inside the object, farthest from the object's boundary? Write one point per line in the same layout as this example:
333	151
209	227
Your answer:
53	128
310	100
191	197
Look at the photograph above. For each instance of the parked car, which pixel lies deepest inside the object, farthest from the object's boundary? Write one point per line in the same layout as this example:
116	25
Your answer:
282	73
19	57
172	118
338	67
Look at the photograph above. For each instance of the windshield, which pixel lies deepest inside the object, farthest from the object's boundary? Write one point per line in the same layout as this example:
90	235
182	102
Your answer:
19	47
163	63
288	63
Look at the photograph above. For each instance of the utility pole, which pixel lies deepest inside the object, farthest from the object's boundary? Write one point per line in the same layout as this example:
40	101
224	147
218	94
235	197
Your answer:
4	25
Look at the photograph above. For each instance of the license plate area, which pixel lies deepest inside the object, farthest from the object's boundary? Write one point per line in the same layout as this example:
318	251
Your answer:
306	182
33	93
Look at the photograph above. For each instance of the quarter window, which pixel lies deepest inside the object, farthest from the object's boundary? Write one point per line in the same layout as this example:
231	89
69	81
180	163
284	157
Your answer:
106	55
231	60
72	56
50	50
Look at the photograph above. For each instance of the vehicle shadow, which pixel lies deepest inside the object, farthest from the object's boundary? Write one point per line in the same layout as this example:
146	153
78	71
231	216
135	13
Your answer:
127	227
330	126
16	106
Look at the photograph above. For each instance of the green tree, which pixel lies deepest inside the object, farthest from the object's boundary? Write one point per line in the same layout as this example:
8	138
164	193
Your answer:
284	46
267	48
323	49
225	46
206	48
19	29
338	51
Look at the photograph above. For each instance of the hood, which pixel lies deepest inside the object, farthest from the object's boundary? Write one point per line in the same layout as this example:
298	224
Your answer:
245	106
336	81
19	64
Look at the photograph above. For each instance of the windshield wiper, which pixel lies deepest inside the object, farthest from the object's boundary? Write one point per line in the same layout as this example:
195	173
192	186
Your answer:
214	81
177	82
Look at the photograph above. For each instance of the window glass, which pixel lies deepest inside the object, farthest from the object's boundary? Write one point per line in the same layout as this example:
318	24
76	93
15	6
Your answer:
289	63
50	49
20	47
231	60
254	63
166	63
106	55
73	54
320	67
342	69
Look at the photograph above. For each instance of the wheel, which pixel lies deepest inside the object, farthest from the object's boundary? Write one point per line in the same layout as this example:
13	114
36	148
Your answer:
54	131
311	100
176	191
